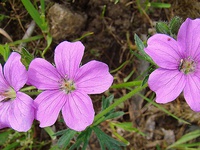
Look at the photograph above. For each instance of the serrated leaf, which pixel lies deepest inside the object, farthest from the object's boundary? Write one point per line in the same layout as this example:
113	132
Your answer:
84	138
64	140
107	101
106	142
26	57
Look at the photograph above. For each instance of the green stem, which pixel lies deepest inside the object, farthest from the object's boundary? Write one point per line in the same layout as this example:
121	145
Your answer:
119	101
28	88
127	84
33	93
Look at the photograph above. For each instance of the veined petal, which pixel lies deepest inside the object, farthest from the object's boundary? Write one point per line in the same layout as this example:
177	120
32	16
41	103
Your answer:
15	72
3	83
167	84
188	38
192	92
93	78
164	50
49	104
78	111
21	112
4	111
68	57
43	75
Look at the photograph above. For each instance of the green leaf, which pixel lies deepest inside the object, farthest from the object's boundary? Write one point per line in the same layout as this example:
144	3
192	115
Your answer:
107	101
26	57
5	51
4	136
185	138
140	46
174	25
12	146
34	13
162	27
64	140
106	142
128	126
160	5
84	138
50	132
114	115
127	84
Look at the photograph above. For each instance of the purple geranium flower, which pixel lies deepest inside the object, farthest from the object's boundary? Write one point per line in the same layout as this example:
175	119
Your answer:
67	85
179	62
16	108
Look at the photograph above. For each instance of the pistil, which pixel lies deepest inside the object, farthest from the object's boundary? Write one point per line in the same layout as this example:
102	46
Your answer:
187	65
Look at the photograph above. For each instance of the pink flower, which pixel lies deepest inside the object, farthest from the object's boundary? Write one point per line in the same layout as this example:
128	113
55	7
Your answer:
16	108
179	64
67	85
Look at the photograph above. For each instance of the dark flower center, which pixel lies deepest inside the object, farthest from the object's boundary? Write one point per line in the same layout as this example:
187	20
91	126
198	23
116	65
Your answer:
187	65
8	95
67	85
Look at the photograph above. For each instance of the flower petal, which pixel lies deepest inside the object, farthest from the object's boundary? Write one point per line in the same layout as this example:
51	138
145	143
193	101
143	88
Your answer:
192	92
167	84
93	78
4	111
164	50
68	57
78	111
43	75
21	112
188	38
15	72
3	86
49	104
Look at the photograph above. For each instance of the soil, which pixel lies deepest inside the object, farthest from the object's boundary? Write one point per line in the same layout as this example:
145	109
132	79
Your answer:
110	30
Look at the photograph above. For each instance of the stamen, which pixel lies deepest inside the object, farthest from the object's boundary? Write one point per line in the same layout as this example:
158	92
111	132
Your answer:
187	65
8	95
67	85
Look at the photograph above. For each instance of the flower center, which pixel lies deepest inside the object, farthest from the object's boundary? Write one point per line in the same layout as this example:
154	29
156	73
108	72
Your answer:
67	85
10	94
187	65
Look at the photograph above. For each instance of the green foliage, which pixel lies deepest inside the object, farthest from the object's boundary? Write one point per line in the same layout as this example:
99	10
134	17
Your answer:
26	57
11	140
127	126
170	28
39	19
64	140
158	5
140	47
82	139
163	109
5	51
106	142
162	27
174	25
181	143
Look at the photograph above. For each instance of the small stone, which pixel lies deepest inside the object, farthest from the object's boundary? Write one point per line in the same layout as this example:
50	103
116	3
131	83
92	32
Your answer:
64	22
